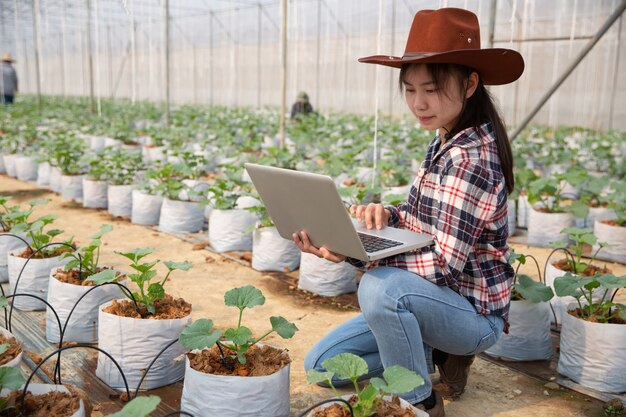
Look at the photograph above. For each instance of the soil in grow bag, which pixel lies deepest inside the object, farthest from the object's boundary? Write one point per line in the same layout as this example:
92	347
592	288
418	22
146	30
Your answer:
53	253
594	318
590	271
391	408
12	351
73	277
165	308
53	403
260	361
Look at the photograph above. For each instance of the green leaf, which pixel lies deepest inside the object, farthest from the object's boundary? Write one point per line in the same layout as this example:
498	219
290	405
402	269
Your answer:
73	264
244	297
54	232
156	291
346	366
569	284
285	329
136	254
239	336
183	266
39	202
105	228
533	291
11	378
145	267
4	347
400	380
107	275
4	303
610	281
315	377
138	407
199	335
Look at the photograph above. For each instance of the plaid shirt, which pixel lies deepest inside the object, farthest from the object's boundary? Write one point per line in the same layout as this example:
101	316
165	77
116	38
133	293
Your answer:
459	197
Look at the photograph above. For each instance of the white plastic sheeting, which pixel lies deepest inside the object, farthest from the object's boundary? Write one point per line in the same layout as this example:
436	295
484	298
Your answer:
325	277
34	280
181	216
270	252
529	333
593	354
134	343
235	396
83	325
146	208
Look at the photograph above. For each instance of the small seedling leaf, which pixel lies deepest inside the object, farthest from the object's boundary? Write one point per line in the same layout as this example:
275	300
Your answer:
285	329
183	266
3	348
315	377
138	407
346	366
568	284
4	303
108	275
105	228
400	380
239	336
156	290
198	335
136	254
611	281
244	297
533	291
11	378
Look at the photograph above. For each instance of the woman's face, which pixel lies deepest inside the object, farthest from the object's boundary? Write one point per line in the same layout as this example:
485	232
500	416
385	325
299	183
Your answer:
434	109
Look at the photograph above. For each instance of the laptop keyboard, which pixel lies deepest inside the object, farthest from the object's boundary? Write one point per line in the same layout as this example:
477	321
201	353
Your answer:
376	243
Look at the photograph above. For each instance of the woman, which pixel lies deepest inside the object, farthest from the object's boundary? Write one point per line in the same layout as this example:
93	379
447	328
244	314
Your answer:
442	304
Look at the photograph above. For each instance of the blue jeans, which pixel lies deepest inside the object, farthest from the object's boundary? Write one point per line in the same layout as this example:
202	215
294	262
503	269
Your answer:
404	318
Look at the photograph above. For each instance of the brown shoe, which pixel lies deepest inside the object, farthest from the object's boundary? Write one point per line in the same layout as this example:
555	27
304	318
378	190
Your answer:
437	410
453	374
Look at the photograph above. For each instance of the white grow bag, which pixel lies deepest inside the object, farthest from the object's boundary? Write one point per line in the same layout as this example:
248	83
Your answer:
83	325
615	236
598	213
9	164
95	193
120	200
270	252
325	277
40	389
235	396
72	187
34	280
181	216
403	403
15	362
26	168
146	208
55	179
8	244
593	354
529	334
3	170
134	343
43	175
544	228
512	215
523	207
227	230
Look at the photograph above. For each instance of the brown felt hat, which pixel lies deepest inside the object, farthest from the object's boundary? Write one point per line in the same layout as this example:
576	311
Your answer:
452	36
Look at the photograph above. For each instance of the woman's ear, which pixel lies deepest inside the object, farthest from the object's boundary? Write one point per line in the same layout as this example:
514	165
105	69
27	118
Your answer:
471	84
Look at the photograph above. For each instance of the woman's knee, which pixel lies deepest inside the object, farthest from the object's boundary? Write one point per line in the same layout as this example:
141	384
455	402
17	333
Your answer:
373	290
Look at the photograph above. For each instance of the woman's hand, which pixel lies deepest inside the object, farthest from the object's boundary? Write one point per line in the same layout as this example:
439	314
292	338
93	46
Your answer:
302	241
373	215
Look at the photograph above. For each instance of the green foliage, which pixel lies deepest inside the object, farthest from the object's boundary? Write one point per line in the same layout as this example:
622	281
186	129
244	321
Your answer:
581	237
66	152
347	366
531	290
227	189
201	335
149	291
86	258
138	407
35	229
10	379
583	287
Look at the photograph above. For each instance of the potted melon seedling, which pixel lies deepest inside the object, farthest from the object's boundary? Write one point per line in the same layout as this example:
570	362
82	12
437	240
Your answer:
122	172
593	331
138	407
231	374
134	331
11	216
181	211
148	196
67	152
229	220
39	399
529	317
67	293
378	398
29	267
573	261
613	230
10	348
270	251
95	186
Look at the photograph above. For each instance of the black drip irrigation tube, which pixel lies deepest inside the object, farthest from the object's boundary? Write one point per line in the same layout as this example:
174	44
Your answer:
61	349
545	269
540	279
330	400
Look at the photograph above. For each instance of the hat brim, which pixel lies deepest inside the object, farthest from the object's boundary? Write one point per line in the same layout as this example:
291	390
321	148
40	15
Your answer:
496	66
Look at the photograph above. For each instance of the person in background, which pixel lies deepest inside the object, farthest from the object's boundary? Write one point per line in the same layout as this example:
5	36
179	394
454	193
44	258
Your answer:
439	305
8	88
301	106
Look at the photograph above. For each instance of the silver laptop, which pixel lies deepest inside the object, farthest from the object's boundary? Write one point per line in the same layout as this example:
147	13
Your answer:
298	200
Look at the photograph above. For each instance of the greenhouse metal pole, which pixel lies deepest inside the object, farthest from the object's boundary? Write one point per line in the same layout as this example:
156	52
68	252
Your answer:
211	59
110	55
317	51
63	49
393	41
492	22
283	73
90	59
605	27
615	73
166	57
36	44
258	56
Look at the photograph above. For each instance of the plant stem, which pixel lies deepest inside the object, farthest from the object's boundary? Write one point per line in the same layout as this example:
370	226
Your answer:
240	316
262	337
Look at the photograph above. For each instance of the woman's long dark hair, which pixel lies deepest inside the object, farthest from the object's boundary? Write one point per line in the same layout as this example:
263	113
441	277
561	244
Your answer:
477	109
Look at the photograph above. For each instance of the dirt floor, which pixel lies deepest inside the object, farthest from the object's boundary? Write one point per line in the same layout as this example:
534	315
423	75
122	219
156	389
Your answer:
492	390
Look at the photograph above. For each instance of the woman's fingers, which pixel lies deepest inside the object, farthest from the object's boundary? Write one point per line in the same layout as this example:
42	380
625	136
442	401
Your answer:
373	215
304	244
